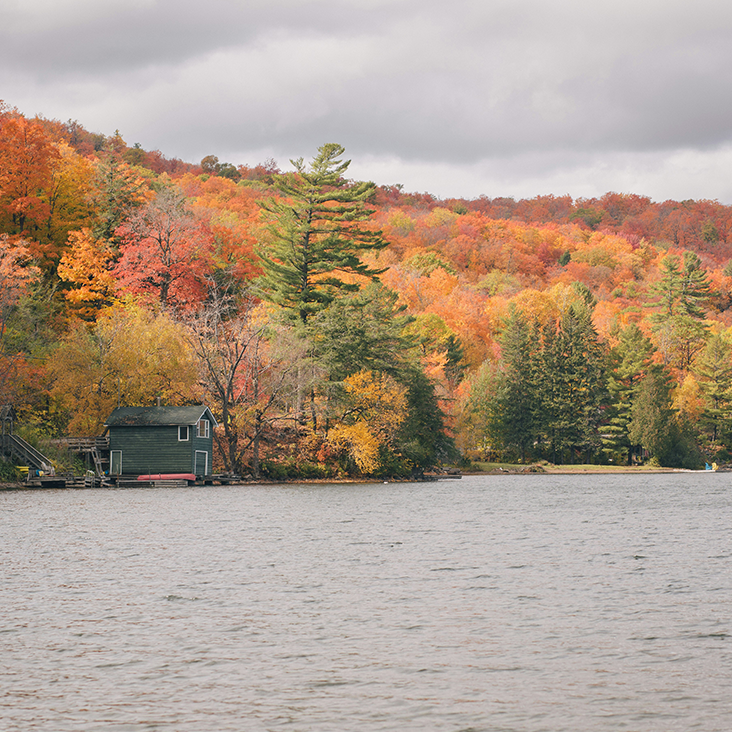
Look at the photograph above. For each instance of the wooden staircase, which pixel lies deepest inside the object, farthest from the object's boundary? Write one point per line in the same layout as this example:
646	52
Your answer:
17	447
96	449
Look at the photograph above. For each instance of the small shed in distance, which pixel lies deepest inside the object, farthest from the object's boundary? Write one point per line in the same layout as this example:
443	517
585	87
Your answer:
161	440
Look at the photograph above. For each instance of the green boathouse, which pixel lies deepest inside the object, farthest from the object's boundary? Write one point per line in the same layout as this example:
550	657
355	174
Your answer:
151	440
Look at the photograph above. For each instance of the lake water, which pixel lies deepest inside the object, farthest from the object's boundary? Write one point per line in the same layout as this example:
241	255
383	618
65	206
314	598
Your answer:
511	603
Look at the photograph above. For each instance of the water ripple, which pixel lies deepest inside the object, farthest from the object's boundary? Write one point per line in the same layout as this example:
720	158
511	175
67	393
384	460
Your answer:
513	603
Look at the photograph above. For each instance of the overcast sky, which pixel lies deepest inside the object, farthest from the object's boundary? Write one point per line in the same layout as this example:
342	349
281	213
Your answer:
459	98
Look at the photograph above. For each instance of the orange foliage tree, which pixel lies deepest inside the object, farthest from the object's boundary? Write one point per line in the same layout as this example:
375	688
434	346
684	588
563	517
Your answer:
86	267
27	156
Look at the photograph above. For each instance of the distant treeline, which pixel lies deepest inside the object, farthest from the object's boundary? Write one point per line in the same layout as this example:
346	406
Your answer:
339	327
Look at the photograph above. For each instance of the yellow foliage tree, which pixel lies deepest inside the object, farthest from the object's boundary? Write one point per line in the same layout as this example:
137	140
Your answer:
72	179
565	296
538	305
129	357
688	399
86	267
358	441
376	409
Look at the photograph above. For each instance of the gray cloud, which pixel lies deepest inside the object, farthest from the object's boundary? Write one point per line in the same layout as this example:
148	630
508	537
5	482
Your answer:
91	38
542	89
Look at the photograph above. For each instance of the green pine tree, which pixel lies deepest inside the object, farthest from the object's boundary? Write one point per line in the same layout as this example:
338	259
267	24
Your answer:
318	229
652	425
630	361
681	294
714	374
364	330
573	386
369	330
422	440
514	410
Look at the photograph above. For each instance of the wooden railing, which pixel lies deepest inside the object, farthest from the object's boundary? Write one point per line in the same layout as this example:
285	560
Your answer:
24	451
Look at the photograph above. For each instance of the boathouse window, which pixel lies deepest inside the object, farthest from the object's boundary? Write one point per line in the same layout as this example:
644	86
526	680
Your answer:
203	428
183	433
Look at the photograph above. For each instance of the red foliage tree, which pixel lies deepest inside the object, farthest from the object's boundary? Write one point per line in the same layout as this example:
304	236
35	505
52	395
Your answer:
166	252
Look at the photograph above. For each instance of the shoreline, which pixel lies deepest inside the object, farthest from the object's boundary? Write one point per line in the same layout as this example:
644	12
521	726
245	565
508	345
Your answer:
527	470
578	470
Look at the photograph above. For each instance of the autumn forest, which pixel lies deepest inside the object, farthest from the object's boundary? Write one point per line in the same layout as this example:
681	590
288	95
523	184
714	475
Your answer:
339	328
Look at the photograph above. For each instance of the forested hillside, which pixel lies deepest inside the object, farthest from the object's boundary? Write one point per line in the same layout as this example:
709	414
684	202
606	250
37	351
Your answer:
336	327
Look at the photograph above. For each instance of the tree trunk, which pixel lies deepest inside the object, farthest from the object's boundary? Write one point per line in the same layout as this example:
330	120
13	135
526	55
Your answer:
313	415
255	443
299	411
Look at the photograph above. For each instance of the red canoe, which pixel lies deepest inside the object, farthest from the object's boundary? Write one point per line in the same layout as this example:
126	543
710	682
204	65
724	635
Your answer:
167	476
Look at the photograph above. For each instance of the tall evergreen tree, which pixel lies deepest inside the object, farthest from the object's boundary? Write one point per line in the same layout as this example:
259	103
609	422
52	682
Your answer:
714	373
630	361
118	192
422	440
369	330
477	409
318	229
455	354
667	289
681	294
652	425
515	409
695	288
365	330
573	388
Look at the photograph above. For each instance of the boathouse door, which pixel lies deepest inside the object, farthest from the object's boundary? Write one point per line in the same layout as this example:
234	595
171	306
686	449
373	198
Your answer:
201	467
115	462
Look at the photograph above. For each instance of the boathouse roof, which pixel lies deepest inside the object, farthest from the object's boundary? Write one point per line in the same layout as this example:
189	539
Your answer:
158	416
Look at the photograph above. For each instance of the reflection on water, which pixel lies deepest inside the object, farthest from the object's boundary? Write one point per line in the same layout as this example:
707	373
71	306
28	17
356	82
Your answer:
493	603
